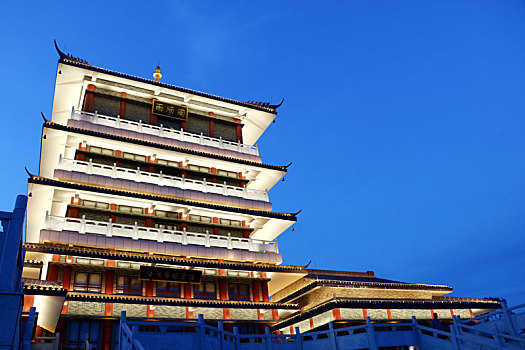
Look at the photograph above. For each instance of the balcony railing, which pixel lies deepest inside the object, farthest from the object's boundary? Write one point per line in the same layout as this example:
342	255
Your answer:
110	229
161	131
160	179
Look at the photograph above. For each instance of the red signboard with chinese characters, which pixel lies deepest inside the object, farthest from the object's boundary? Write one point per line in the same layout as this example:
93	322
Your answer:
164	109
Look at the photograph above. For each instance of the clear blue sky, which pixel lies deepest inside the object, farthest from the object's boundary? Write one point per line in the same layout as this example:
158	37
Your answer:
404	119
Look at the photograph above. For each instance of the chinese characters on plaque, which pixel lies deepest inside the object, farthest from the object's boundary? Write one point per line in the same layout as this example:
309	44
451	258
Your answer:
152	273
164	109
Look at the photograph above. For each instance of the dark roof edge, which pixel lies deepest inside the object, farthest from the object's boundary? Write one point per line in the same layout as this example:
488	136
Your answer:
178	302
53	125
68	61
384	304
140	257
71	185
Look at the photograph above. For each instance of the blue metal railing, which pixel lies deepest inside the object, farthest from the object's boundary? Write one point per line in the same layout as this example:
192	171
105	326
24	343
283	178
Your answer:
148	335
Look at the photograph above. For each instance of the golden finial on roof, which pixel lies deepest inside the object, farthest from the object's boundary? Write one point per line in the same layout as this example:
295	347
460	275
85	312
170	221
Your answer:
157	75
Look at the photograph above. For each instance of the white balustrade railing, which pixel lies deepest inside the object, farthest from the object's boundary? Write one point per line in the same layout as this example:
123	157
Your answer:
162	131
110	229
160	179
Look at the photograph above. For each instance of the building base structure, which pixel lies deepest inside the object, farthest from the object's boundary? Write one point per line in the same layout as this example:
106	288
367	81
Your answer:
153	199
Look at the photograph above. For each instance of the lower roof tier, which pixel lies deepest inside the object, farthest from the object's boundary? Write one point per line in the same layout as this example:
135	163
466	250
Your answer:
348	309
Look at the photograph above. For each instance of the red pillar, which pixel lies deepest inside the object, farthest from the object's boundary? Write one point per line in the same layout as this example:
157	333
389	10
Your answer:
149	293
264	285
52	273
365	314
212	125
187	295
122	109
152	118
73	213
238	131
89	100
187	291
336	313
109	278
226	313
215	229
275	314
107	331
38	331
149	222
66	283
213	178
81	156
260	315
29	300
223	294
389	314
255	291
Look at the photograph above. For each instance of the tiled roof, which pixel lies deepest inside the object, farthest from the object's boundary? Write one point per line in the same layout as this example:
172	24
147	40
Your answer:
52	125
377	284
386	304
77	62
71	185
156	258
42	287
128	299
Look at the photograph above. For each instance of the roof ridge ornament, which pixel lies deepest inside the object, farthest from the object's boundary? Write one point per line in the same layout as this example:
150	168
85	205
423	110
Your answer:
277	105
43	117
31	176
265	104
68	56
61	54
157	75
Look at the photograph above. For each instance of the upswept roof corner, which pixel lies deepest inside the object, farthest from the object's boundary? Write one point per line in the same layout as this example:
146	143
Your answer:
69	56
266	104
79	62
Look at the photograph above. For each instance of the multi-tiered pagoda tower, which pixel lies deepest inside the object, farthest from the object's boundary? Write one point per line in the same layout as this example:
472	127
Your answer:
152	198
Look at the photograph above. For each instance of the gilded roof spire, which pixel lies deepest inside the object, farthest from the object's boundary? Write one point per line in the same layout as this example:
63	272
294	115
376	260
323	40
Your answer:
157	75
